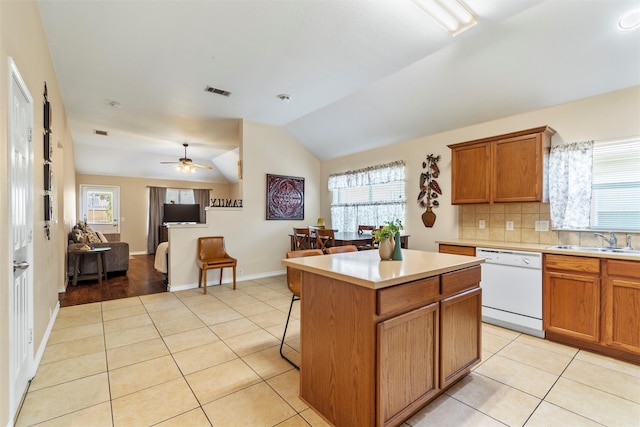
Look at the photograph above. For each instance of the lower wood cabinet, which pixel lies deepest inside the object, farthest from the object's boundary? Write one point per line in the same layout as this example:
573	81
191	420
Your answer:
621	305
460	335
593	303
571	297
457	250
408	362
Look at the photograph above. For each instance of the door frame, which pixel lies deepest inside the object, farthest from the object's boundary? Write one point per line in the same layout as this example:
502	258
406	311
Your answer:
14	398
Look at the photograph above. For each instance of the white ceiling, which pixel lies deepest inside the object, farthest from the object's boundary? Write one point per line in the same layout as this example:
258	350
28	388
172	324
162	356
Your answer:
360	73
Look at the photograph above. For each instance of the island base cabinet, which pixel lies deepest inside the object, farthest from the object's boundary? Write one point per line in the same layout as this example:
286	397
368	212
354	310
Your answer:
372	357
460	335
407	363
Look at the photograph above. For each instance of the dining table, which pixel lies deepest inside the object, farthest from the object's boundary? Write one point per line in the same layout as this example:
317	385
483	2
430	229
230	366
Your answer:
343	238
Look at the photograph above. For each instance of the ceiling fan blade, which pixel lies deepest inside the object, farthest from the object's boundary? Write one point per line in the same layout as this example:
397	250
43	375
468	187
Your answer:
171	163
201	166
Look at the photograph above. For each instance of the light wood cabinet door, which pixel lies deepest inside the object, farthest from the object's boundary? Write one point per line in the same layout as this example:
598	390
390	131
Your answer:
517	169
572	305
622	305
408	363
460	332
470	174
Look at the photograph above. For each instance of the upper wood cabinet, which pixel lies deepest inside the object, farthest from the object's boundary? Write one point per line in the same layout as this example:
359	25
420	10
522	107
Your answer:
502	168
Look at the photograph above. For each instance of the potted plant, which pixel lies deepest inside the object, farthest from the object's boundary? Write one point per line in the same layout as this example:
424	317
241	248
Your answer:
385	239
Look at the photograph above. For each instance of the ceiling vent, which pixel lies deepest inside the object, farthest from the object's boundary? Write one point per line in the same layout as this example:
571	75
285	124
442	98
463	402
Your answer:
101	132
217	91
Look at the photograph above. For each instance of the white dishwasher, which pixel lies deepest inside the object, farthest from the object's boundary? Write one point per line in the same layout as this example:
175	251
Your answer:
512	289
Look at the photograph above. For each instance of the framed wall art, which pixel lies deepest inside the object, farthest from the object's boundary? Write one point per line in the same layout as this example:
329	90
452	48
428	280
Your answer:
285	197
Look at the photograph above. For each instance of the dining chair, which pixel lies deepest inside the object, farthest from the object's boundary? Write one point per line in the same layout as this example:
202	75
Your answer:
342	249
368	229
363	228
301	238
294	282
325	239
211	255
313	229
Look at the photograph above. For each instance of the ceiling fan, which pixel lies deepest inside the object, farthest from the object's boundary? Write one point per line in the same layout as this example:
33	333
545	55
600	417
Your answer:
185	164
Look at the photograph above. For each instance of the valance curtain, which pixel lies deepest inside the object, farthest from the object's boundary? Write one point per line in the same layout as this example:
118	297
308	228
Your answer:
156	204
377	190
382	174
570	176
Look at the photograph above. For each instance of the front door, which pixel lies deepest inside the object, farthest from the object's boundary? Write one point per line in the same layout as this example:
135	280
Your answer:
21	237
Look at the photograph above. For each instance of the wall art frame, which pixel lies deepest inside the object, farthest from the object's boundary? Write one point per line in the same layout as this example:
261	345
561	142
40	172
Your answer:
285	197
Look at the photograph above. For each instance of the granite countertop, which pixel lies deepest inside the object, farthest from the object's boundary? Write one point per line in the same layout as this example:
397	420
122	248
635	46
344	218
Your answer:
535	247
364	268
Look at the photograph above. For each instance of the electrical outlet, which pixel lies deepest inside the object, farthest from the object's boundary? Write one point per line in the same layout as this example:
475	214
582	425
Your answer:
509	225
481	224
240	272
542	225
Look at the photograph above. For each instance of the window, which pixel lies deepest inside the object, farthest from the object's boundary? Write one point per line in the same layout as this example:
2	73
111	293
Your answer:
180	196
370	196
615	187
100	207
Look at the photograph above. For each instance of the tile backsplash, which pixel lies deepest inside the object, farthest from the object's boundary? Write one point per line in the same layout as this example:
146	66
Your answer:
524	217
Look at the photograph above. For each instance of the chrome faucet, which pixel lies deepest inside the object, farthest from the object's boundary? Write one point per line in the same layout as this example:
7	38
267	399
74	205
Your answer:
629	242
612	240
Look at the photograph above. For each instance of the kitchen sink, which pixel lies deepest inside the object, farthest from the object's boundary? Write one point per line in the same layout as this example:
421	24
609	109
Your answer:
618	250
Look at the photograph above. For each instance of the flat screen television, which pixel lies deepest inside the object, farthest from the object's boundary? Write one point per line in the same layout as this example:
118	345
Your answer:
181	213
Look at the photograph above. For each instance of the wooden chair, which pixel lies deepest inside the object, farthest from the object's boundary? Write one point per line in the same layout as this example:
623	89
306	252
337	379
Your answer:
342	249
325	239
294	282
369	230
301	238
363	228
212	255
312	231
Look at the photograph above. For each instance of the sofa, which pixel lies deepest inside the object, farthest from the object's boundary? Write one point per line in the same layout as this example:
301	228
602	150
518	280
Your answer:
116	260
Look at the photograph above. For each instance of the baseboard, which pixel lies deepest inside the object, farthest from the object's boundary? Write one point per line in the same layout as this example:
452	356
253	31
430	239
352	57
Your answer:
139	253
187	286
45	338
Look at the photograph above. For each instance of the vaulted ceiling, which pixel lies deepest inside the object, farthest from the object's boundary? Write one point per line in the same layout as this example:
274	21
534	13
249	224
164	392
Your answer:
360	74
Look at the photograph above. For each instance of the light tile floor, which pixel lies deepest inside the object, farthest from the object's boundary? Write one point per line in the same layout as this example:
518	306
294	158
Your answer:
188	359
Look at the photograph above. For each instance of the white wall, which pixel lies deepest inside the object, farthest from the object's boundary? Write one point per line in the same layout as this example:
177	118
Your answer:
22	38
607	116
258	245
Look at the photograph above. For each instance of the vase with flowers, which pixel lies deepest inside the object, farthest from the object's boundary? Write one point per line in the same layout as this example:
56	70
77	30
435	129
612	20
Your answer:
386	236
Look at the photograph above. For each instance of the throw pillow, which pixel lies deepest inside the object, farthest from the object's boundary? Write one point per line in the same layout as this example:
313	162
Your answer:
78	236
101	237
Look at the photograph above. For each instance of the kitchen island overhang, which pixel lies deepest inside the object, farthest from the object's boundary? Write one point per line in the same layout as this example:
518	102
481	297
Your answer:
380	339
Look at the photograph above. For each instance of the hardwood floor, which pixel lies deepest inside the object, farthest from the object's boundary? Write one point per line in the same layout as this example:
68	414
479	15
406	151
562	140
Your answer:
140	279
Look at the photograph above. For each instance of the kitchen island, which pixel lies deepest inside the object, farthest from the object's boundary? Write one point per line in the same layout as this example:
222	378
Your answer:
380	339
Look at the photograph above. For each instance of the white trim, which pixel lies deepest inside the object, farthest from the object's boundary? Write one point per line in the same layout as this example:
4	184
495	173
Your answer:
227	280
45	338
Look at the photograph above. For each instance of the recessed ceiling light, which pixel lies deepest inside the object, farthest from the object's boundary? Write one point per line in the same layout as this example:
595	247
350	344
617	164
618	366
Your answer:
630	21
284	98
116	104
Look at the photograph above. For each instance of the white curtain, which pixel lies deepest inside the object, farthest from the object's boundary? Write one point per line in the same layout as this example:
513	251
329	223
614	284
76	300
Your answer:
381	174
570	176
346	215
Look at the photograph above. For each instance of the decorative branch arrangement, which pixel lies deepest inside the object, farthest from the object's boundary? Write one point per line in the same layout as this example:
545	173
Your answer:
429	189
